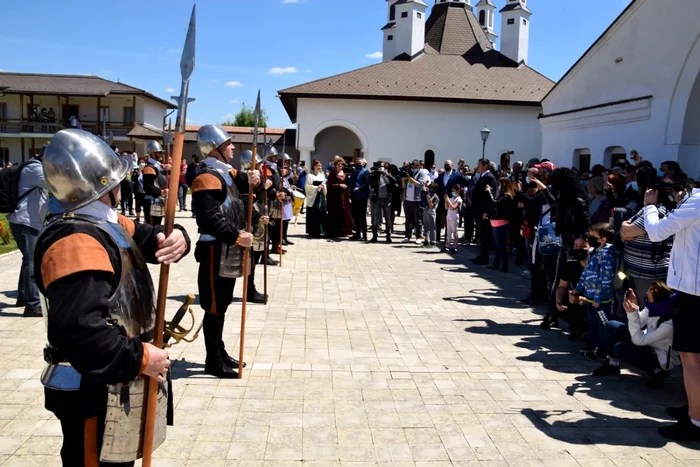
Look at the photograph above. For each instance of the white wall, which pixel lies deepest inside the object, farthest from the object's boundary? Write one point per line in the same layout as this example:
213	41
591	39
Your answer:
401	131
410	31
515	38
153	113
660	57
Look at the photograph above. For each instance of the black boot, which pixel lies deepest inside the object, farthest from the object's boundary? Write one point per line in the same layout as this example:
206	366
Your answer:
214	364
254	296
228	360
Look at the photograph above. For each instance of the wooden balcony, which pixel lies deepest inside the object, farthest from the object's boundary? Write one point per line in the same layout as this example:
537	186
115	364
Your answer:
17	126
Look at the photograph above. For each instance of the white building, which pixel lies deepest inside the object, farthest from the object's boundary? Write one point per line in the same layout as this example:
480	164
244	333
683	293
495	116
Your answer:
440	82
131	115
637	87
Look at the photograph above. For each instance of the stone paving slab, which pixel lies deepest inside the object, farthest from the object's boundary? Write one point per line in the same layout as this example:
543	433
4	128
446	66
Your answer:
370	355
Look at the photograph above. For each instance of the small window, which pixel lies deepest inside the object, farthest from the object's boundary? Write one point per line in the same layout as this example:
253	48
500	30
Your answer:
128	115
419	15
482	17
390	38
404	14
511	21
3	111
392	12
524	21
104	114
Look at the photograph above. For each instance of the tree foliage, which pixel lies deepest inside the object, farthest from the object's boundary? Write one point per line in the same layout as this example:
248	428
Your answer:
246	117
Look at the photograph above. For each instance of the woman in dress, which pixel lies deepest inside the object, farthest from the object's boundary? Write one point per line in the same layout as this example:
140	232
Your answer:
338	222
315	187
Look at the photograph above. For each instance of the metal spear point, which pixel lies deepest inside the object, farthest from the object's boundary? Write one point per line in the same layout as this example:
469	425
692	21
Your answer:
256	124
186	70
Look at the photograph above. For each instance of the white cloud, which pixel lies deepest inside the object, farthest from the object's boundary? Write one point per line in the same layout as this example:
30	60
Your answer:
227	116
233	101
169	89
374	55
233	84
282	70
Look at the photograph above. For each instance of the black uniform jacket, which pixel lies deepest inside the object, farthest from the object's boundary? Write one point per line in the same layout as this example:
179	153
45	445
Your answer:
209	192
150	176
77	268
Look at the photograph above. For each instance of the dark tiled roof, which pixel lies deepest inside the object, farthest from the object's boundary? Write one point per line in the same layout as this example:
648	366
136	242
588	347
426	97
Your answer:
389	26
458	65
145	132
73	85
514	6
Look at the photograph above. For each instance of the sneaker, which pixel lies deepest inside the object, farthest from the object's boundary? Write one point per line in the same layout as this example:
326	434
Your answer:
607	370
679	413
597	356
684	430
419	241
405	240
657	380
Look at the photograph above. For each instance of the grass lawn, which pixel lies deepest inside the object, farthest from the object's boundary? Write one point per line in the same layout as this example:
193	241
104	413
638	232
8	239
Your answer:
6	247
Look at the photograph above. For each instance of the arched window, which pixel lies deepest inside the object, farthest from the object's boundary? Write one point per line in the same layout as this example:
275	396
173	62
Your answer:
482	17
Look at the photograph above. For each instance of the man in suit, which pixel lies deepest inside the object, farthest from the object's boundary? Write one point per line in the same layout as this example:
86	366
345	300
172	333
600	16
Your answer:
481	206
445	182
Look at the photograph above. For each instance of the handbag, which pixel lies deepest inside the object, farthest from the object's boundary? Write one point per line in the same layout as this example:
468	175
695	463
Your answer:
548	242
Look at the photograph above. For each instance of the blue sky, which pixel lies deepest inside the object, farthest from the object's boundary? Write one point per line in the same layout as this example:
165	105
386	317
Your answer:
243	45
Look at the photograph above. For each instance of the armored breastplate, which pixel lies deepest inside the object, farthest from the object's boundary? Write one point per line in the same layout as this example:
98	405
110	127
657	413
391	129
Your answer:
161	180
131	306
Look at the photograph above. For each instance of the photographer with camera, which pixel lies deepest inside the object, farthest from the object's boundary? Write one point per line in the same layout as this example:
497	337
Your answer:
684	277
381	186
413	188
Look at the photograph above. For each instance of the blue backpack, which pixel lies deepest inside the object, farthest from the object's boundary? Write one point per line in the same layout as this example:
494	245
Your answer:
548	242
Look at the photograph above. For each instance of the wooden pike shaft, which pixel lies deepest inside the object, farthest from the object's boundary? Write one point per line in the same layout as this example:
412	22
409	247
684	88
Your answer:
246	265
265	236
159	328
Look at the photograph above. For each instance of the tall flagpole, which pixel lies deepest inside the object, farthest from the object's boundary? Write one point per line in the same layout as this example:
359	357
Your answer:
186	69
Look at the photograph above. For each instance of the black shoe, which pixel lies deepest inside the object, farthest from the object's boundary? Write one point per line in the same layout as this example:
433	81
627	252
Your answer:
32	312
549	322
373	240
657	380
271	261
684	430
679	413
577	335
220	370
255	297
607	370
287	242
388	240
597	356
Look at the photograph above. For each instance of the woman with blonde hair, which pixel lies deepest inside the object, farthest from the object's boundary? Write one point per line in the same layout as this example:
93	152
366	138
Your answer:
338	223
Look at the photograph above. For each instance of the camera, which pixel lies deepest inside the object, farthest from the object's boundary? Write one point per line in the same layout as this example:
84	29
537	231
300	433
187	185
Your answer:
648	179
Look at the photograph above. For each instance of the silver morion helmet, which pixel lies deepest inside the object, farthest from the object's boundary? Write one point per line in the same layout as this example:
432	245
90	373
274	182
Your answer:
153	147
80	167
247	160
210	137
286	157
272	152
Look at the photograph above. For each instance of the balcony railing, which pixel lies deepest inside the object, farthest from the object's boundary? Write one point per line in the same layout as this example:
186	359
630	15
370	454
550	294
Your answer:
17	126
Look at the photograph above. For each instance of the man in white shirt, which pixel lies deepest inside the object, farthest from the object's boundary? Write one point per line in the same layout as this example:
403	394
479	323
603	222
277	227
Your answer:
683	276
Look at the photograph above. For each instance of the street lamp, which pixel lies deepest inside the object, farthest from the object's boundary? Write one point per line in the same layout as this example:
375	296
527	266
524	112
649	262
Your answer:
485	132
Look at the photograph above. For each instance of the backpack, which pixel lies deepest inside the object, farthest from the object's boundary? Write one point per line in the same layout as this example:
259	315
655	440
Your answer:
548	242
9	188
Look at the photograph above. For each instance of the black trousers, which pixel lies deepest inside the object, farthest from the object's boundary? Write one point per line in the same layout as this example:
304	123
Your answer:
358	208
147	214
127	198
542	277
82	442
441	214
483	233
139	201
468	224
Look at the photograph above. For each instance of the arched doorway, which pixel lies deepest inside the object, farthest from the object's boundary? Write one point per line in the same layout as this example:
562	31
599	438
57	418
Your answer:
582	160
336	141
429	158
613	154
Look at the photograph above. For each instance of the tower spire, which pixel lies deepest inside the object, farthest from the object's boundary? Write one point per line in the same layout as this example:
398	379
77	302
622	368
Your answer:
486	13
515	30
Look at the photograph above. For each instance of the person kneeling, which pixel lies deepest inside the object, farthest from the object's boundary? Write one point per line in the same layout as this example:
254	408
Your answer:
646	341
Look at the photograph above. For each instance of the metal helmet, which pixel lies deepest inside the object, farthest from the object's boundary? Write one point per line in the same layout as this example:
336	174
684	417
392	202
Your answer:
210	137
272	152
286	157
247	159
80	168
153	147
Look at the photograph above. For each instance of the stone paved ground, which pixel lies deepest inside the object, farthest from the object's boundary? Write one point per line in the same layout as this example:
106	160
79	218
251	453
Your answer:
371	355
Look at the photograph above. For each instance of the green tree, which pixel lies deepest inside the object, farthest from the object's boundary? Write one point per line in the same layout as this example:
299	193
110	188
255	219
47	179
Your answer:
246	117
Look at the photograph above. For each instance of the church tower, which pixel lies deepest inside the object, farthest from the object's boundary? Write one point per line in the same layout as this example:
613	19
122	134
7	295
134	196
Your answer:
410	27
486	12
515	30
389	32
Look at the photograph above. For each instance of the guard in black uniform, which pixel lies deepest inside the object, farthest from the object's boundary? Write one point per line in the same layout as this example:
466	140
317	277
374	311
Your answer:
220	210
155	184
98	302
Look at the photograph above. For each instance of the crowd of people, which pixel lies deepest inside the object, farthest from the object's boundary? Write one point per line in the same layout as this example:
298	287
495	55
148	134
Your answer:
611	251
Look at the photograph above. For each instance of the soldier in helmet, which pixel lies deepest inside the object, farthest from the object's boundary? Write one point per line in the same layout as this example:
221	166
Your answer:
220	210
154	184
98	303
